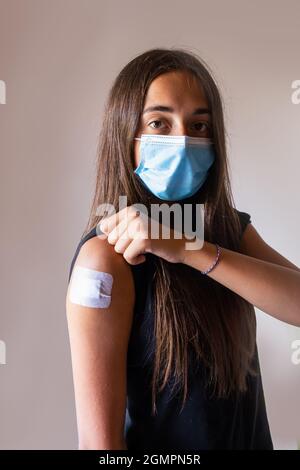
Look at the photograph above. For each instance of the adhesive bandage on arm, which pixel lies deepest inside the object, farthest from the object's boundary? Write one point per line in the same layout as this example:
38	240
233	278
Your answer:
90	288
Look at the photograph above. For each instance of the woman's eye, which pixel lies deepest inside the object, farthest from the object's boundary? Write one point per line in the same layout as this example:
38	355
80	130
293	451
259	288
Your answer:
198	126
155	127
202	126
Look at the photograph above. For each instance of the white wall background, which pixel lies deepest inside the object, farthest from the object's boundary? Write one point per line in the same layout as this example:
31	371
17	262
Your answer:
58	59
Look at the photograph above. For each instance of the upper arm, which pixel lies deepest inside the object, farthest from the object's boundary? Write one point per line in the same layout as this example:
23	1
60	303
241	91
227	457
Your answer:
252	244
98	340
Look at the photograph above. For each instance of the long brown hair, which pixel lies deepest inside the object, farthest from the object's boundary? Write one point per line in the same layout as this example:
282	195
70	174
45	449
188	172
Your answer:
192	311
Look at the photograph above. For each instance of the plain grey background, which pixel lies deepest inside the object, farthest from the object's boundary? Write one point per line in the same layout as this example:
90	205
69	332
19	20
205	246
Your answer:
58	59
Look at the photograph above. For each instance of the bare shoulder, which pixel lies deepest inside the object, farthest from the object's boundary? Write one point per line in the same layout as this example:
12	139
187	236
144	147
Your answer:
97	252
99	255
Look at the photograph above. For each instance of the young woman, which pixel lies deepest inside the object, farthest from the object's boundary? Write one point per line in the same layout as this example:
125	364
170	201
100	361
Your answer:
169	359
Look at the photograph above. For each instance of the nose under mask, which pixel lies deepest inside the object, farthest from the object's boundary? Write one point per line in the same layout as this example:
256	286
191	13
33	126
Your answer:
174	167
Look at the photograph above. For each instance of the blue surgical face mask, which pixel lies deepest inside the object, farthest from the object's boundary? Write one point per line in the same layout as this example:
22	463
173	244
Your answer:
174	167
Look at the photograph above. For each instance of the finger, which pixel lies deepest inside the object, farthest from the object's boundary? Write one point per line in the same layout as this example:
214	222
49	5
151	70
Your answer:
120	231
122	244
109	223
135	252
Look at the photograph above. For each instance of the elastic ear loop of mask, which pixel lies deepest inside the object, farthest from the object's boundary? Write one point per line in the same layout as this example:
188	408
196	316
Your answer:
90	288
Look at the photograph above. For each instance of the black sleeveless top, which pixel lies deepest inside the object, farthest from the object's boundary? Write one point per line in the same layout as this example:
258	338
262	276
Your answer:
239	422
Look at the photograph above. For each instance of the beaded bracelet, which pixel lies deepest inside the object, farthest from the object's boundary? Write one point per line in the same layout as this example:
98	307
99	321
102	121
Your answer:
215	261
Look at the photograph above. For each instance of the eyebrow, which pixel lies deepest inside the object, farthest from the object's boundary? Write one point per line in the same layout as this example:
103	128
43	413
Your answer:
168	109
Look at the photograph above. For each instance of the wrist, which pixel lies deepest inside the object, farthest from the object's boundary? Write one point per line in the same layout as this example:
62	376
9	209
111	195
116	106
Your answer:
191	249
203	258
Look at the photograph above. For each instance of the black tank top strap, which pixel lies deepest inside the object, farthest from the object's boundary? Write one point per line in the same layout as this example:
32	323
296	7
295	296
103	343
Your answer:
92	233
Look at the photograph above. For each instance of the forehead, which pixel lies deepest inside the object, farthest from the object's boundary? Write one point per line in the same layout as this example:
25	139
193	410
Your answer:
176	87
